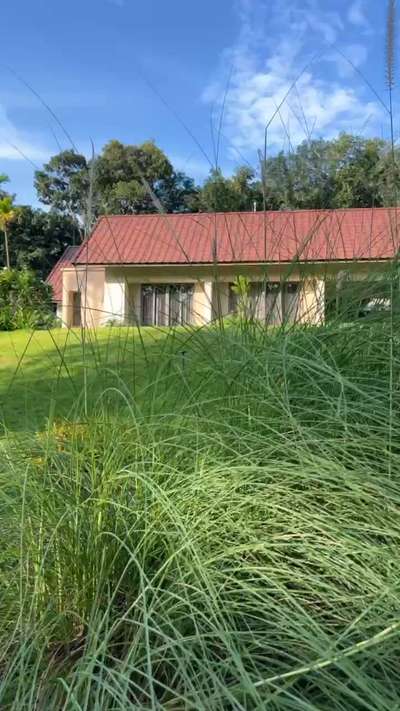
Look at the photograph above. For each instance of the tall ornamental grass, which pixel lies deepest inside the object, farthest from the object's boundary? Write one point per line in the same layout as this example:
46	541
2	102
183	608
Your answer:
223	535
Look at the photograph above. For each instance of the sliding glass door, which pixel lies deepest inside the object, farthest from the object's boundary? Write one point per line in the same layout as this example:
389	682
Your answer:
272	302
290	301
167	304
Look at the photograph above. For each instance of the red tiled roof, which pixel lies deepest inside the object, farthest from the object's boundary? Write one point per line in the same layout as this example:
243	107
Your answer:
306	235
55	276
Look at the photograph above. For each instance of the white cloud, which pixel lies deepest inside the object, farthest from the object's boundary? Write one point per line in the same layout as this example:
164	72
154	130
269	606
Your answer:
16	145
265	62
356	14
353	55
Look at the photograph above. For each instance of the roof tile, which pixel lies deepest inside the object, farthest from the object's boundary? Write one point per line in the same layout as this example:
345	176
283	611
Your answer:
202	238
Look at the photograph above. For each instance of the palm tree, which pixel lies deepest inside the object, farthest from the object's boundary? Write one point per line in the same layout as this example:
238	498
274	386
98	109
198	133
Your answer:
7	214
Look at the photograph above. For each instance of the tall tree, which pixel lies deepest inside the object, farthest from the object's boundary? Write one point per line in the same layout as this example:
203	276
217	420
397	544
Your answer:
178	193
277	183
7	214
312	175
125	179
348	171
38	238
239	192
3	179
63	184
358	171
129	178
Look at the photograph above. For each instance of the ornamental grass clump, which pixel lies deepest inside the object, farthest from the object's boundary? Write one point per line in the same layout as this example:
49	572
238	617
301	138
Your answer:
225	538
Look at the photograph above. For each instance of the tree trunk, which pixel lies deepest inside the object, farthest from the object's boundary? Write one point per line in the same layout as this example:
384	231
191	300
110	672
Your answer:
6	247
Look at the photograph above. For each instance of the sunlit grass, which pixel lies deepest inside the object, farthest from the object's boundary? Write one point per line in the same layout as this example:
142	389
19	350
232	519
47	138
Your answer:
220	532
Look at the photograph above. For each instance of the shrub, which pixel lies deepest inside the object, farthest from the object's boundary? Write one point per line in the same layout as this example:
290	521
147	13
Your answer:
25	300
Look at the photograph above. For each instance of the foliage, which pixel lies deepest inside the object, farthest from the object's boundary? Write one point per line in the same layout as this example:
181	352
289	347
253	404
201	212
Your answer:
63	183
349	171
222	538
220	194
7	215
38	239
241	287
7	211
126	174
178	193
25	301
3	179
127	179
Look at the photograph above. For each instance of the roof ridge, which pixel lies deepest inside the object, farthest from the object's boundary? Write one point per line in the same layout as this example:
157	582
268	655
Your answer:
247	212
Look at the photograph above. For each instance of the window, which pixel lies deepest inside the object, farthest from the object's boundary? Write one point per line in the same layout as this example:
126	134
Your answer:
232	300
257	301
180	304
290	301
166	304
271	302
147	305
349	299
161	306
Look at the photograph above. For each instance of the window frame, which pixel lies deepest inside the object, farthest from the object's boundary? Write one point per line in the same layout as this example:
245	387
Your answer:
167	291
278	312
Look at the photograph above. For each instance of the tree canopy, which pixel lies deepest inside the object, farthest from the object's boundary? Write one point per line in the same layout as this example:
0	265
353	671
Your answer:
348	171
63	182
126	179
7	215
37	239
220	194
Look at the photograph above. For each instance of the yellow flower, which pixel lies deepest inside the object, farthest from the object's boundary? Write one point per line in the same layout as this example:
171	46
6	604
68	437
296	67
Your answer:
38	461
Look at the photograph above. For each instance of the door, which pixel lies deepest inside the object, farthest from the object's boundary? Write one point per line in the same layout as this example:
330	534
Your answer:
147	305
76	309
180	304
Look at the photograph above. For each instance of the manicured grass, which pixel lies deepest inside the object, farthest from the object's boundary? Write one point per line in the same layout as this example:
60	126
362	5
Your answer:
42	373
214	526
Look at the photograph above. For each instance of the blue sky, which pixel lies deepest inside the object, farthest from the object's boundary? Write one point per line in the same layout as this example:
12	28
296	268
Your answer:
166	69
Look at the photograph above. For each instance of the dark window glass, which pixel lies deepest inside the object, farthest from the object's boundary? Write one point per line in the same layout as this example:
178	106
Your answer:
273	304
161	305
76	308
166	304
180	304
257	301
232	300
290	298
148	305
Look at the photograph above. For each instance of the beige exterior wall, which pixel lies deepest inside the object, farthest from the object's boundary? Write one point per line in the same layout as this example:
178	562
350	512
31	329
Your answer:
114	293
89	282
312	301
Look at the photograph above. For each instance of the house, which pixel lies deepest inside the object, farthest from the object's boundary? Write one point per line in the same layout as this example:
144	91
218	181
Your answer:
179	268
55	278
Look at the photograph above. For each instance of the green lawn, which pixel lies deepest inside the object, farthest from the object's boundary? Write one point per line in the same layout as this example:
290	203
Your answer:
45	372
